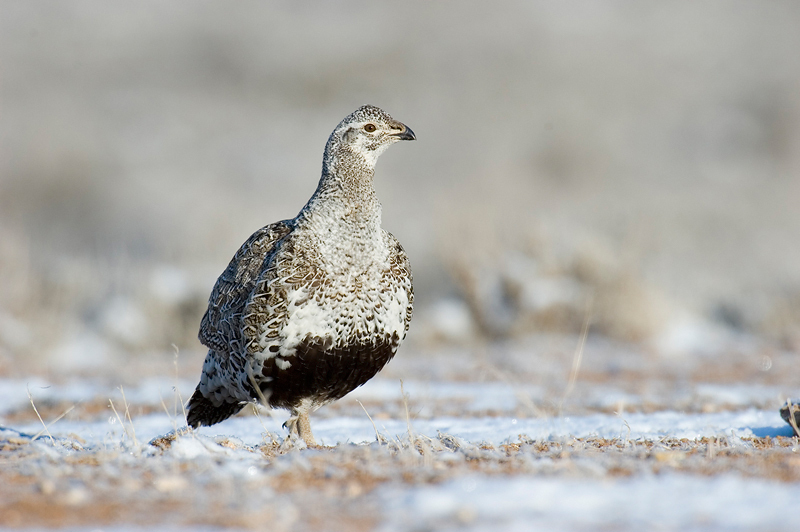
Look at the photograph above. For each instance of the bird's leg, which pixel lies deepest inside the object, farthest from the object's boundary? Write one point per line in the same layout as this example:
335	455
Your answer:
299	425
304	429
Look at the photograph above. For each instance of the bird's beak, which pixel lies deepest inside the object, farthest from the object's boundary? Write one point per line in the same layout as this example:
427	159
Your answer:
405	133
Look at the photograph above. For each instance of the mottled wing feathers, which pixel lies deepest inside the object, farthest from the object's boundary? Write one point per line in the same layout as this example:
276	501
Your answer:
400	270
221	327
265	312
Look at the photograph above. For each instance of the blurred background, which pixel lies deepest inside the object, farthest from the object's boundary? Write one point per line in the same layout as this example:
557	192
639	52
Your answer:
634	162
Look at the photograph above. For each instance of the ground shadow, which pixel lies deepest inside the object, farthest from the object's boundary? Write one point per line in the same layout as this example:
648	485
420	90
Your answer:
772	432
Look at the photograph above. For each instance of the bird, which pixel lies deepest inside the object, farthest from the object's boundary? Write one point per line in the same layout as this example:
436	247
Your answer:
313	307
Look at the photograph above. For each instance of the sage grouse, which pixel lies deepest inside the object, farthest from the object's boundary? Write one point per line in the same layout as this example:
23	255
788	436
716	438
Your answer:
313	307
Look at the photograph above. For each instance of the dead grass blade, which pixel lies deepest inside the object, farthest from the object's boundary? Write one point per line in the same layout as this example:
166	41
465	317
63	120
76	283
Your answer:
45	429
578	357
378	437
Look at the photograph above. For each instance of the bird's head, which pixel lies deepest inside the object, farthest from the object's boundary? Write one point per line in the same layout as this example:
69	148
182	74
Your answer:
368	131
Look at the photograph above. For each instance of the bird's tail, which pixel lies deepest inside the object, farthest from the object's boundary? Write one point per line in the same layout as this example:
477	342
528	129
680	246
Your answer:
201	411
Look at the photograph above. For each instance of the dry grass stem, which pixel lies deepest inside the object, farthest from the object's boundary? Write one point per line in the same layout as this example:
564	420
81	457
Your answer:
378	436
408	415
578	357
131	435
40	419
64	413
521	396
45	429
128	416
178	398
261	397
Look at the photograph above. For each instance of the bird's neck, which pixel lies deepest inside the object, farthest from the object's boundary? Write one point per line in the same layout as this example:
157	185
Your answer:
345	204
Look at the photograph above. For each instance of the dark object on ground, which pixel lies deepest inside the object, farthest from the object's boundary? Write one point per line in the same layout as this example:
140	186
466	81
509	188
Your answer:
794	406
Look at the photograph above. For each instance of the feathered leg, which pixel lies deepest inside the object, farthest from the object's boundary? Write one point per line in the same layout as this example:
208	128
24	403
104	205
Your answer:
299	424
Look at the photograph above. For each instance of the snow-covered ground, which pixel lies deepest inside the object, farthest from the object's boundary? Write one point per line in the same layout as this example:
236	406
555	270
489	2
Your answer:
621	165
332	431
415	462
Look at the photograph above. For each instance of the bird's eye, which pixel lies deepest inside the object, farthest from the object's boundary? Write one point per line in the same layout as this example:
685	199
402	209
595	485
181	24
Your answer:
369	128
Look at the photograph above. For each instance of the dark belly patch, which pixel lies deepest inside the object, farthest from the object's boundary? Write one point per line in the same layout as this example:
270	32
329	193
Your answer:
323	372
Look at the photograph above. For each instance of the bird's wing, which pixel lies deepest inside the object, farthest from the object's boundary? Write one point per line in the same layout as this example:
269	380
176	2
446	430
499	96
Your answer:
401	271
221	328
266	312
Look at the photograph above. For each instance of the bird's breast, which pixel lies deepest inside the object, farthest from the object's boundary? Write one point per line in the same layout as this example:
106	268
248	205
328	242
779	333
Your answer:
345	306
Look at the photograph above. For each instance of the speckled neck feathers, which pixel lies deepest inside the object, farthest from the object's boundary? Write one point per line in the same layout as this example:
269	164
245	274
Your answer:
345	198
344	206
